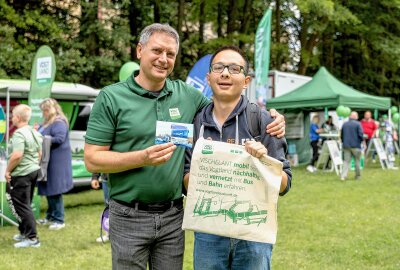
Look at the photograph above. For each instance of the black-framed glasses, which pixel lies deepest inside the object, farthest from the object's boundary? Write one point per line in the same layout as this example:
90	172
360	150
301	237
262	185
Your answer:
232	68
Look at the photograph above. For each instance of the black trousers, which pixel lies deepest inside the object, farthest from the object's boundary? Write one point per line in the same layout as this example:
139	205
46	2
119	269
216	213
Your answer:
314	146
21	190
367	144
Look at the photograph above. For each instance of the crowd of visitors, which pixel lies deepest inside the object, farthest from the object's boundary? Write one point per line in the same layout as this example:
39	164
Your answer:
355	137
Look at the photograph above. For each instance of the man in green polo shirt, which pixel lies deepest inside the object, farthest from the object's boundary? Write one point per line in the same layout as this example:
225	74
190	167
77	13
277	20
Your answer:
145	180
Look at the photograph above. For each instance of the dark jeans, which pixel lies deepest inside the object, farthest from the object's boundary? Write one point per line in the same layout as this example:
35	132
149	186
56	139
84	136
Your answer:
314	146
55	210
367	141
106	193
140	237
223	253
21	190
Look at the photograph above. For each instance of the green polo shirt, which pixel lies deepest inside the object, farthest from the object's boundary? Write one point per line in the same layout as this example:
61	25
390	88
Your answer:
124	117
23	141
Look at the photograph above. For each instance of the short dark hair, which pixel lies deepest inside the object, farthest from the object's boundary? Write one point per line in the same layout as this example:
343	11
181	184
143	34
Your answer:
235	49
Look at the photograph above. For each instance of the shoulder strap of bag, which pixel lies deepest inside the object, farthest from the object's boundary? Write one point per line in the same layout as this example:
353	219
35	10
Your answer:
35	138
253	114
44	160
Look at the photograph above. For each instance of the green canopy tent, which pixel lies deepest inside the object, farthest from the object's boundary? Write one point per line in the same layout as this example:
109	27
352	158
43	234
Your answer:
324	91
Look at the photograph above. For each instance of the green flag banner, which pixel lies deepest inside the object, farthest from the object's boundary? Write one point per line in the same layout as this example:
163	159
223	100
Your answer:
261	56
42	78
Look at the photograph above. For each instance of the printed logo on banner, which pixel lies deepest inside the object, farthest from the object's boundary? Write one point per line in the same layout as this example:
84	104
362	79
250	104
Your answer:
207	149
43	69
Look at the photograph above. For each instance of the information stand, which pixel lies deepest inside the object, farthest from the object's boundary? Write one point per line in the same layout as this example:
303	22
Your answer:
376	144
330	150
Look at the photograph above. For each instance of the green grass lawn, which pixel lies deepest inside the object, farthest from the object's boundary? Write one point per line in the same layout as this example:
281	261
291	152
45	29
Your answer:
324	223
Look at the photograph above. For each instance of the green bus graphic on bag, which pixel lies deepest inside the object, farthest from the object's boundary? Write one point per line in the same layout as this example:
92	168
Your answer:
243	211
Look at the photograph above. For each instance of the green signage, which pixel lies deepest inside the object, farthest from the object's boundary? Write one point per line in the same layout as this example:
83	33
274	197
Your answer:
42	78
261	56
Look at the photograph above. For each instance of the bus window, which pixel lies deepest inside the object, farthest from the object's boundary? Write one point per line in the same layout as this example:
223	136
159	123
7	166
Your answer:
82	118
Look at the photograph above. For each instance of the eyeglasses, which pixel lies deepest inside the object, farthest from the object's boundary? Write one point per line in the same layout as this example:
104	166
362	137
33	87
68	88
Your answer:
233	68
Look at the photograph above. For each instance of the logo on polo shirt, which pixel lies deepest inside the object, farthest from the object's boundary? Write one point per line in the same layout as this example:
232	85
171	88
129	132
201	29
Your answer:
174	113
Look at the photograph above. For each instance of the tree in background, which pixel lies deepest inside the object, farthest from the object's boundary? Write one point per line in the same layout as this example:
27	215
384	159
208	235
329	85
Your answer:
24	26
357	41
370	50
88	49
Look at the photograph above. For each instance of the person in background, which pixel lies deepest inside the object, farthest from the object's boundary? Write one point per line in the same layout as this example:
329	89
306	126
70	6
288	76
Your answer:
21	174
389	137
328	126
59	171
315	130
352	138
375	135
97	180
369	127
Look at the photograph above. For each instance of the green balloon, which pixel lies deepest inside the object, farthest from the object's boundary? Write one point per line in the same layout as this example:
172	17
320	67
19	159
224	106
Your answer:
347	112
393	109
340	110
126	70
396	117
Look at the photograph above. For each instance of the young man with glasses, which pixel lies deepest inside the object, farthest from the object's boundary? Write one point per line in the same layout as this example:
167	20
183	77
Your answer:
145	180
225	120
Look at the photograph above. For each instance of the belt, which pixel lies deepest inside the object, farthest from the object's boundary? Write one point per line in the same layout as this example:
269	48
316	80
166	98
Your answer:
154	207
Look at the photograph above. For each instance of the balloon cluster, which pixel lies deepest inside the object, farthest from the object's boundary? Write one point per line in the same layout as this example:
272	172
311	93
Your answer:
395	114
343	111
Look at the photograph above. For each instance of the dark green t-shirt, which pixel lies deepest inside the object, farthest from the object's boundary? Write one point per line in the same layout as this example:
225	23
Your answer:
124	117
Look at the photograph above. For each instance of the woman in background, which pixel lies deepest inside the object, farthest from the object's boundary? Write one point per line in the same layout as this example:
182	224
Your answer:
59	171
315	130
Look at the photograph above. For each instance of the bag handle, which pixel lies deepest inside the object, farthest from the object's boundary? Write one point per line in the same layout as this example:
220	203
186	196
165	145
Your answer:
36	140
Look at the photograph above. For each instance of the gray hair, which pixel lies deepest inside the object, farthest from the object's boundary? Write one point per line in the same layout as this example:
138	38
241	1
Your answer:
158	28
354	115
23	111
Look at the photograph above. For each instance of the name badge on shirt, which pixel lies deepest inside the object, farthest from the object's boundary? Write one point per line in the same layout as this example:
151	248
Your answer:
174	113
